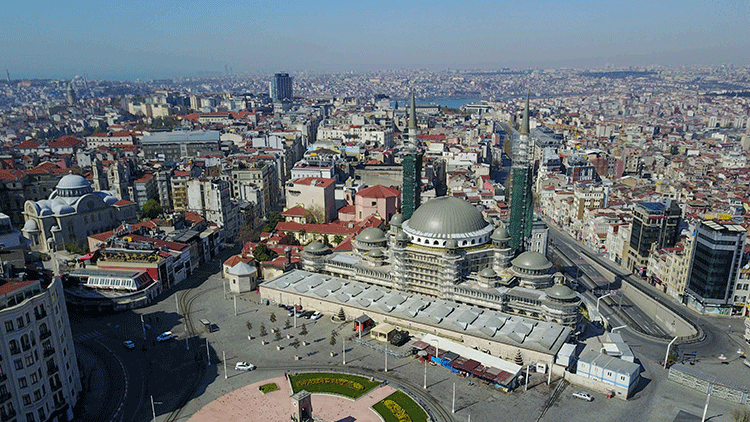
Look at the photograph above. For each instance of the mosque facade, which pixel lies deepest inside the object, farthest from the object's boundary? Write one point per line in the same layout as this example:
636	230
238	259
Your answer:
448	251
73	211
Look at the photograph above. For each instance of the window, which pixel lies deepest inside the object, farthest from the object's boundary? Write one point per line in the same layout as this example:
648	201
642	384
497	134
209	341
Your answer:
22	382
30	417
29	360
19	321
8	326
18	363
37	395
34	378
26	399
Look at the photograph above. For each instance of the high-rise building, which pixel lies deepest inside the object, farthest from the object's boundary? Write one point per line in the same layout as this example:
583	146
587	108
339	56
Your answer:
656	225
715	264
40	378
281	87
412	167
522	201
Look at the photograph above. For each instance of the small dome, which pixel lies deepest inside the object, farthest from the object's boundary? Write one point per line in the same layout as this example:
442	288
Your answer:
500	234
54	229
488	273
397	220
315	248
375	253
110	200
242	269
403	237
533	261
73	181
62	208
45	211
31	226
371	235
561	292
451	244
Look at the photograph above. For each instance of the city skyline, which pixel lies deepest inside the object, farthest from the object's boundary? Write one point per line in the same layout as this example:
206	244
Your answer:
161	41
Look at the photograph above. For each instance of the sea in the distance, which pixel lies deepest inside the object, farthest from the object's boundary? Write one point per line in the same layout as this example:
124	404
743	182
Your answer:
450	103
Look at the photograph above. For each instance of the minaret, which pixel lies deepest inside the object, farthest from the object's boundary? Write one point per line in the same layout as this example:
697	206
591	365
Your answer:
7	75
522	202
412	167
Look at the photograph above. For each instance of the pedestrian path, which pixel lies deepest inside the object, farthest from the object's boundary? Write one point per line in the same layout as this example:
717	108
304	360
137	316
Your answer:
87	336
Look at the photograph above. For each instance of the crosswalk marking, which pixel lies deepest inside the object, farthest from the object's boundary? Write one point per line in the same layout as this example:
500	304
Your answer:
87	336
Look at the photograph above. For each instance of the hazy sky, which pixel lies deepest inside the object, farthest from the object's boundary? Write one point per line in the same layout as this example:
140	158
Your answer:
164	38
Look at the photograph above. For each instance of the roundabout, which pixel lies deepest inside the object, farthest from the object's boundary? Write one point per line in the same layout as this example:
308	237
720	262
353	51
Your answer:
332	396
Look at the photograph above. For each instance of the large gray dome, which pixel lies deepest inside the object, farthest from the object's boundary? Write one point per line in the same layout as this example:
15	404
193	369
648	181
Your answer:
447	216
533	261
73	181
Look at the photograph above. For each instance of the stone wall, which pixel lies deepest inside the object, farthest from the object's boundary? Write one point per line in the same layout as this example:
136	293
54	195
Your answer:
708	383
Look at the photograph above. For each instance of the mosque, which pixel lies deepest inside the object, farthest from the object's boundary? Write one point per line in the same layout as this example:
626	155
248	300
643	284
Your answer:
448	251
72	212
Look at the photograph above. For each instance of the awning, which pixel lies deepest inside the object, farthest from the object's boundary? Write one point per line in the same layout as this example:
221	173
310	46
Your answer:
87	256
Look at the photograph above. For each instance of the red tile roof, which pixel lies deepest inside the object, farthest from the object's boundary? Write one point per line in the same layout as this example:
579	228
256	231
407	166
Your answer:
314	181
30	143
12	286
123	202
65	142
378	191
296	211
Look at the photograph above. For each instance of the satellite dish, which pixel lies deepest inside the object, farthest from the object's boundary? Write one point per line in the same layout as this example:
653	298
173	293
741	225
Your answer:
422	353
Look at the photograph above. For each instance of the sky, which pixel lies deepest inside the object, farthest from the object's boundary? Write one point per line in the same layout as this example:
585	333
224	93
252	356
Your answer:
165	38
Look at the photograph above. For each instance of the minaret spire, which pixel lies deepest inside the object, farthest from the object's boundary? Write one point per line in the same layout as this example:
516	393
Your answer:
525	124
413	121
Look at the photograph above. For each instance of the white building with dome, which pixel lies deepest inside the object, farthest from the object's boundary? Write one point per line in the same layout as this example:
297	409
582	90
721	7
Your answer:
447	250
73	212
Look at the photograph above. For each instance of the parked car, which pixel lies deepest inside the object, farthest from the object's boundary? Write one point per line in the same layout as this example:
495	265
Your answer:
244	366
583	396
307	314
167	335
128	344
316	315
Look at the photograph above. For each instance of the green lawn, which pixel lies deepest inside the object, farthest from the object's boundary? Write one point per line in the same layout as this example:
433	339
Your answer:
398	407
267	388
342	384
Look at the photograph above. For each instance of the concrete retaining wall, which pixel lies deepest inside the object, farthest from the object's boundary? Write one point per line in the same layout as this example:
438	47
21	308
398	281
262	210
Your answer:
664	317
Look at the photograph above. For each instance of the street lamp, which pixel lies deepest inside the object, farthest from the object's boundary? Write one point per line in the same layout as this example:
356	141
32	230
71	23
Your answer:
666	356
598	300
437	347
153	409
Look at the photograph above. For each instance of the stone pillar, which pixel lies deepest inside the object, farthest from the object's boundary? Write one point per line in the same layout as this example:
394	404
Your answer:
302	404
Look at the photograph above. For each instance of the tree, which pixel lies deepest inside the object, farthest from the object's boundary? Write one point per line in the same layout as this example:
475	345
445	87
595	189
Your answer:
303	331
332	342
151	209
273	317
287	323
295	344
341	316
740	415
337	239
263	329
277	333
249	325
273	219
519	358
316	215
263	253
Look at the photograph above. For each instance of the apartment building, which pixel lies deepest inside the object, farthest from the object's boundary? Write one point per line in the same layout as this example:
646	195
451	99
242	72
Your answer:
256	184
39	378
314	195
211	199
655	225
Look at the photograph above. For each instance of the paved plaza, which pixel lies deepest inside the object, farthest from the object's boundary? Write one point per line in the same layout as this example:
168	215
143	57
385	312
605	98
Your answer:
250	404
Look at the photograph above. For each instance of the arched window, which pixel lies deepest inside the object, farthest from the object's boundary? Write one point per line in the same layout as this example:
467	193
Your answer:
13	346
25	343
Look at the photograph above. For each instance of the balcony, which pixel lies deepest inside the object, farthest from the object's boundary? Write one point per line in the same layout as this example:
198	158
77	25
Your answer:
45	334
49	352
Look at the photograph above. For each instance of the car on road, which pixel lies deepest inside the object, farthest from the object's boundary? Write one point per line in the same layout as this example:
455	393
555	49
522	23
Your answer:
316	315
244	366
128	344
167	335
583	396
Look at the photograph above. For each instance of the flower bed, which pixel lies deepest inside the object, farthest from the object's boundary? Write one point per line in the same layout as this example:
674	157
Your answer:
341	384
267	388
398	407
